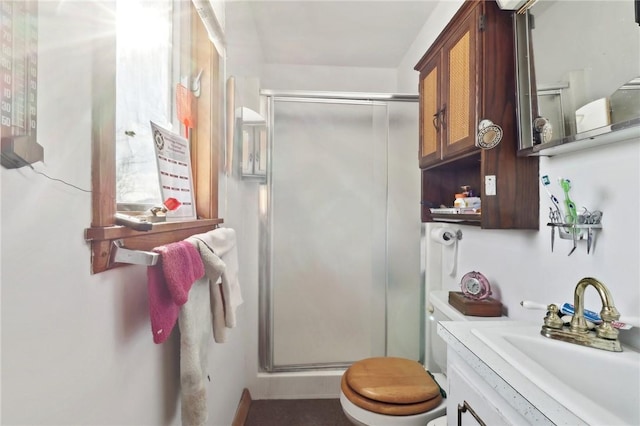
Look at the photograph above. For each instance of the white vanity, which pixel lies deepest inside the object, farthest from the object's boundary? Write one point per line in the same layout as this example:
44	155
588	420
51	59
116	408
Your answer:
505	372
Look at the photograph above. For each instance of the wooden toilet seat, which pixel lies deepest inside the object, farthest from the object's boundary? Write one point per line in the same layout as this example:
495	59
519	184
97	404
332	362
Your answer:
391	386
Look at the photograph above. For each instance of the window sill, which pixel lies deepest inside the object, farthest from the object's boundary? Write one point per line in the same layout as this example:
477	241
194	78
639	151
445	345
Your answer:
102	239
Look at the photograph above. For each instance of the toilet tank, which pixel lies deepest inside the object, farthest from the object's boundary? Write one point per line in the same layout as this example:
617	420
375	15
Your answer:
439	309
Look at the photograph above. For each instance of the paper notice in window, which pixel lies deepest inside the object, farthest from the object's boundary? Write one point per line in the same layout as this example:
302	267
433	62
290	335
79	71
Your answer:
174	173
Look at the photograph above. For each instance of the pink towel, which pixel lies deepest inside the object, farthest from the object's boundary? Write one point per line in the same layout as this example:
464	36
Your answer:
169	283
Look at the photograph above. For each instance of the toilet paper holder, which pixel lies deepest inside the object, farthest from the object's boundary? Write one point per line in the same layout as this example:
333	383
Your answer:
446	235
450	235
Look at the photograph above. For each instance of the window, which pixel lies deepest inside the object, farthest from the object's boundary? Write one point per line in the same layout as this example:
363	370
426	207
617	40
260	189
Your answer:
145	76
205	138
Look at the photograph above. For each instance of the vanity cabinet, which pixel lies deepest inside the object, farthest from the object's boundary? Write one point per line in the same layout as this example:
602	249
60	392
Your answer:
467	76
472	401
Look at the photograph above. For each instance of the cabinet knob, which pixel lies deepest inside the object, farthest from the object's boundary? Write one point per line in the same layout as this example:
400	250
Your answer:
489	134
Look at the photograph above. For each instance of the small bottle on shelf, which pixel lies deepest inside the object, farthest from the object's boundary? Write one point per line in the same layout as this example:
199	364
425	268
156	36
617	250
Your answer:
460	201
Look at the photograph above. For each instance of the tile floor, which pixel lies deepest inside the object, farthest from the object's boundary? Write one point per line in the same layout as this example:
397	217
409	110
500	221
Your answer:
296	412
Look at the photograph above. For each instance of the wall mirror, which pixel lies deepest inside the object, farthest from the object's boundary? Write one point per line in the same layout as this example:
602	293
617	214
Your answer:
578	69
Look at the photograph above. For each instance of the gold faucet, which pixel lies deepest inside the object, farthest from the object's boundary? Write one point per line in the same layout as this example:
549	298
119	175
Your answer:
605	336
608	313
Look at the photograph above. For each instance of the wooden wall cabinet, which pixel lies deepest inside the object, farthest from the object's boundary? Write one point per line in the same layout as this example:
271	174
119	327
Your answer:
468	75
449	89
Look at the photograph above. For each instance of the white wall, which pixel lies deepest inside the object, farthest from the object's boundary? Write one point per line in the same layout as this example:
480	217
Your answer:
77	348
442	14
328	78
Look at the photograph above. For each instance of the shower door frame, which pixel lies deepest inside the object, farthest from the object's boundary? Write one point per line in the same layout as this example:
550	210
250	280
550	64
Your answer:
265	298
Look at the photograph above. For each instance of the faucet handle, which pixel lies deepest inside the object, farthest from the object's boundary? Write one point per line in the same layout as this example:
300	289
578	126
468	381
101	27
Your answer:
553	320
606	330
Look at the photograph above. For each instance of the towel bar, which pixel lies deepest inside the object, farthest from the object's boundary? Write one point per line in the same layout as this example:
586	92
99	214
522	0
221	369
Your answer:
136	257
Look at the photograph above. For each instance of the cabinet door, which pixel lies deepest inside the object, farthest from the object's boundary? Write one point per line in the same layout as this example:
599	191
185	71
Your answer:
472	401
460	85
430	112
467	405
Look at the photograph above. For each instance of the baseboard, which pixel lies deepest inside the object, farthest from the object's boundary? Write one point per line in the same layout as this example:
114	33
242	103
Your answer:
297	385
243	409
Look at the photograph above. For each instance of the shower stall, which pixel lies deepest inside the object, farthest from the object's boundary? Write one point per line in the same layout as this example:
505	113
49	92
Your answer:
339	230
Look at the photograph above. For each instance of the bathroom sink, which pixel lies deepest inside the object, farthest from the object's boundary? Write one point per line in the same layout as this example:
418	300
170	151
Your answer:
598	386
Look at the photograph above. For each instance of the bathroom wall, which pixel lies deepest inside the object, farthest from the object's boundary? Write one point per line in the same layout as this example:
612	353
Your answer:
520	264
77	348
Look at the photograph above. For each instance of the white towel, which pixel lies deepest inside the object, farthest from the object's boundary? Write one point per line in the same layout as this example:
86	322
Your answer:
195	322
223	243
213	267
195	333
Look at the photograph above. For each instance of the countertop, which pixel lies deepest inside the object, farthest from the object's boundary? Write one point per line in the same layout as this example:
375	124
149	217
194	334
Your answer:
525	397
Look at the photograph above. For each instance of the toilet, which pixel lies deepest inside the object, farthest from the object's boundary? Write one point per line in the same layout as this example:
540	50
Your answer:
393	391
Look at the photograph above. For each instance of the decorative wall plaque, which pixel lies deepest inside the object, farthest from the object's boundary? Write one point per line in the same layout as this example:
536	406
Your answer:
19	83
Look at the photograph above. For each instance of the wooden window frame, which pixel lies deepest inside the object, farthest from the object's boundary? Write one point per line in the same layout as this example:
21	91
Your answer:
206	140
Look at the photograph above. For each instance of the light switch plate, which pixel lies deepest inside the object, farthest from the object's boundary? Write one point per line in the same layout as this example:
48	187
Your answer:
490	185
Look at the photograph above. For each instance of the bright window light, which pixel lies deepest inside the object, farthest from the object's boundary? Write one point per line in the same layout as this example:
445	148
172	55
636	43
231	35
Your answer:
143	94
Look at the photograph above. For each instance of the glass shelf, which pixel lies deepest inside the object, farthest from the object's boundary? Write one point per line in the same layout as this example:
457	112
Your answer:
618	132
462	218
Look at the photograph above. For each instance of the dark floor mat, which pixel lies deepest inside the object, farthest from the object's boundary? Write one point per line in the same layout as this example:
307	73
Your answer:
296	412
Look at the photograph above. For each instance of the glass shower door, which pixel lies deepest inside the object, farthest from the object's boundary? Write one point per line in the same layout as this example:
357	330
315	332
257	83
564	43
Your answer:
327	266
